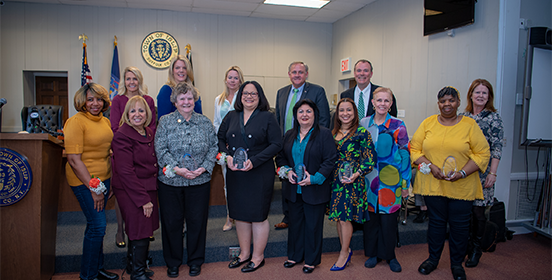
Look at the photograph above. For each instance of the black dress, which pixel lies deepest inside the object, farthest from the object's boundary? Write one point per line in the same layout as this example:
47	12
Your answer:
249	193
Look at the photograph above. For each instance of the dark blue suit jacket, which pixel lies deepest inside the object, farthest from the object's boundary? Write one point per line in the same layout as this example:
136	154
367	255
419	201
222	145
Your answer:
350	93
313	92
320	156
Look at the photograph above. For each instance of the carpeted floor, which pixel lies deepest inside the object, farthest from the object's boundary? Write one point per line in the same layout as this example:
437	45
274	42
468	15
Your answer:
71	227
525	257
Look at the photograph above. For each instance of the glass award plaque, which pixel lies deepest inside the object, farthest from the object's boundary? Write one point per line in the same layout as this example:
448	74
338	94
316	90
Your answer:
189	162
240	157
449	167
300	172
345	172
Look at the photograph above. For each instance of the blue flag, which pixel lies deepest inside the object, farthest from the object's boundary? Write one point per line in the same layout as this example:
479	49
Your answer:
115	75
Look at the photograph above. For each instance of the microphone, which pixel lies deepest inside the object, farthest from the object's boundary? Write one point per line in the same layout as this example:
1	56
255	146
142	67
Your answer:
35	117
3	102
35	120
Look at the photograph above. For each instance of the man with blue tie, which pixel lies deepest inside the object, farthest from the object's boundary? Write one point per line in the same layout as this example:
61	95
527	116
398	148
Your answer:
361	94
299	88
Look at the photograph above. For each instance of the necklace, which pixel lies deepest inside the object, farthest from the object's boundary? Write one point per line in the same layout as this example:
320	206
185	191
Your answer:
142	131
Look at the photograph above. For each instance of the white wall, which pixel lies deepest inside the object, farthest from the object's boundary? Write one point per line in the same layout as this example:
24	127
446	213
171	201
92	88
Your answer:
390	35
43	37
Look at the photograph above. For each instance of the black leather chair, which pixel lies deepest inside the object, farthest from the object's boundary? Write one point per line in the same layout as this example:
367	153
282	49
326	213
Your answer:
51	117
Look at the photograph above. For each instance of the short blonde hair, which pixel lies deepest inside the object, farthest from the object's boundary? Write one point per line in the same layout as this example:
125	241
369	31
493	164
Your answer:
189	71
142	89
97	90
130	104
383	89
183	88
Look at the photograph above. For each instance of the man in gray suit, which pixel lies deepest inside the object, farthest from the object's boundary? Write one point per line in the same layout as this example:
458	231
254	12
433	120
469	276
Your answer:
285	100
364	89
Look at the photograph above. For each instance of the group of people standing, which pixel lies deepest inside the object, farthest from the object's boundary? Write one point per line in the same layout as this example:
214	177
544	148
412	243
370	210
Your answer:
355	167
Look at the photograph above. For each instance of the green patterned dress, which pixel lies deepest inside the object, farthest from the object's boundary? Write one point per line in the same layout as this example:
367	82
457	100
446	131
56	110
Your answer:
349	201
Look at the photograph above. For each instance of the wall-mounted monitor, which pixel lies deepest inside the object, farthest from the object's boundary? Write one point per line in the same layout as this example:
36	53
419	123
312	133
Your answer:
536	126
442	15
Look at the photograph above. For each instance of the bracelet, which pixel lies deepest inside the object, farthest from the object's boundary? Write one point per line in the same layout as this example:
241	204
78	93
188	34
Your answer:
491	173
463	173
424	167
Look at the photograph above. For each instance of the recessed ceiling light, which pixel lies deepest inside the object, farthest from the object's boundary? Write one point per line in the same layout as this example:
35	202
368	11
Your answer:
316	4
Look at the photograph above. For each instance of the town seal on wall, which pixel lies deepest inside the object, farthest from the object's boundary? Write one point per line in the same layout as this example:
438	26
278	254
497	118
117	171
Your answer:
16	176
158	48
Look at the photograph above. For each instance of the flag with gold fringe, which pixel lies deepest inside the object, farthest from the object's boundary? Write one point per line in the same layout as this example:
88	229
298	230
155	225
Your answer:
115	74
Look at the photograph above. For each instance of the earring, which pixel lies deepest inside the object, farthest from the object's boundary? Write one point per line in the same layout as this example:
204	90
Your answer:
389	110
374	107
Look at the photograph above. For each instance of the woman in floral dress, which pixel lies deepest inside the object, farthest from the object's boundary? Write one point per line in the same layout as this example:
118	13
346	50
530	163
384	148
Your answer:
348	202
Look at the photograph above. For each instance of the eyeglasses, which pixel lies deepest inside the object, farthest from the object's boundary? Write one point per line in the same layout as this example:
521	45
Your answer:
251	94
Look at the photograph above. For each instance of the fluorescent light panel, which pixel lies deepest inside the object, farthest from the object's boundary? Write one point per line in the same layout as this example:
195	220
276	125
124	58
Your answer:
316	4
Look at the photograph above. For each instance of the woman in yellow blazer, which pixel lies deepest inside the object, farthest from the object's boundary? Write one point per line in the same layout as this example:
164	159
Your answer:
449	195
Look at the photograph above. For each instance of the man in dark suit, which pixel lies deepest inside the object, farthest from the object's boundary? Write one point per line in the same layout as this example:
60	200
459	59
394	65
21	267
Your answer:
364	89
298	73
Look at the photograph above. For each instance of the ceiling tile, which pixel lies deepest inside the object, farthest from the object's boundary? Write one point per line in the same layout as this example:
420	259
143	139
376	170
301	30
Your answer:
221	12
225	5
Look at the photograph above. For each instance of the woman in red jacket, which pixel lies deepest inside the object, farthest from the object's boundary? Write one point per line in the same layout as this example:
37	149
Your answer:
135	180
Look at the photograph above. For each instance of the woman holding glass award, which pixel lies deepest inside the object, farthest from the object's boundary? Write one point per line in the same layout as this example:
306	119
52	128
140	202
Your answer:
135	182
356	158
449	150
388	183
186	147
480	108
308	158
88	138
224	103
249	137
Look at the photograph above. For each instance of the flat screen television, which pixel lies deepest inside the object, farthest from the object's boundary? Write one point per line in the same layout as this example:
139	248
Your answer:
442	15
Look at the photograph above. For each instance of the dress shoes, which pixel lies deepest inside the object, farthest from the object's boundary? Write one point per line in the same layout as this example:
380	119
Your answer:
458	272
371	262
289	264
307	269
236	262
195	270
106	275
394	265
172	272
427	267
281	225
250	266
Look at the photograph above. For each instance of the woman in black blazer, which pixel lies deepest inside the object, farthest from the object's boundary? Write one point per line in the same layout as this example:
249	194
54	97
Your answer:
314	147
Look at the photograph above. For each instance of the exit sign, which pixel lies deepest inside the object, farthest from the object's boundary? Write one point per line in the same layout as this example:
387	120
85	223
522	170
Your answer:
346	64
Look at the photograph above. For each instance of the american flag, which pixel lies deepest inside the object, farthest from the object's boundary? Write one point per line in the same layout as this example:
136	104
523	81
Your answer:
86	77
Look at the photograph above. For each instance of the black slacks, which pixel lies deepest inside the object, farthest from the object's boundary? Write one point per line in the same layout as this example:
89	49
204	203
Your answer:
380	235
457	214
305	231
175	204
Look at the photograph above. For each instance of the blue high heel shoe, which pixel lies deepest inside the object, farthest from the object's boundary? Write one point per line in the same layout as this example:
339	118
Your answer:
337	268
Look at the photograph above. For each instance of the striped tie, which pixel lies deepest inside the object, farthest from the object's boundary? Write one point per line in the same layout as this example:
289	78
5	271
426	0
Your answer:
289	116
361	112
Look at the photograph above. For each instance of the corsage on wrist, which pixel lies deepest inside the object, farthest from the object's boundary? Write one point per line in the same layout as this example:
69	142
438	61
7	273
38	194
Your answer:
283	172
97	186
221	158
169	171
424	167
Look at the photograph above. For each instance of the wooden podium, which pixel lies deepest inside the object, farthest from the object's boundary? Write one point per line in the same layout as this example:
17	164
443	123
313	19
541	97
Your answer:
28	227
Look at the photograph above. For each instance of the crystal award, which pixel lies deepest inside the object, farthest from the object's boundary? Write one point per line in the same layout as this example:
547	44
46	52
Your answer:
189	162
300	172
240	157
449	167
345	172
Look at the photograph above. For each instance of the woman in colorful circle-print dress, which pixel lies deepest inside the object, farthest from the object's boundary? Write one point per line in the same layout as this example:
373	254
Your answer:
388	184
348	202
